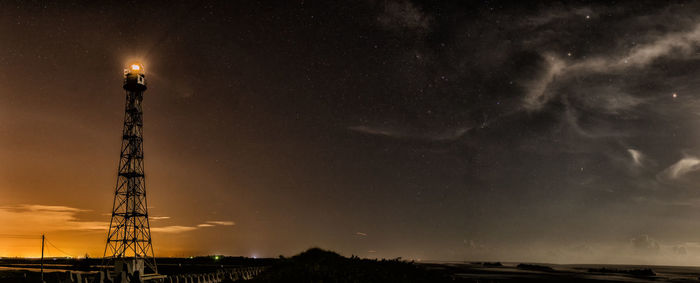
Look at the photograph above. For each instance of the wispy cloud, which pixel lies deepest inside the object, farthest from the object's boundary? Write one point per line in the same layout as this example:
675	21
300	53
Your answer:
56	208
173	229
559	14
404	16
636	156
395	132
34	218
672	44
180	229
684	166
222	223
374	131
645	244
37	219
158	217
537	94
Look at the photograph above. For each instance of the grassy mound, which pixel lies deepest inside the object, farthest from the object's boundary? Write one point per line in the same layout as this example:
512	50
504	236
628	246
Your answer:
317	265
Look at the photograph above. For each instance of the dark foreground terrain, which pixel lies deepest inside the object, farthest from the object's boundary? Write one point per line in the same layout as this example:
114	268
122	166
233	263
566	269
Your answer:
316	265
519	272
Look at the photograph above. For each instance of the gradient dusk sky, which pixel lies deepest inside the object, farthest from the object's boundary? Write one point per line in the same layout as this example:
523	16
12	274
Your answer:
567	132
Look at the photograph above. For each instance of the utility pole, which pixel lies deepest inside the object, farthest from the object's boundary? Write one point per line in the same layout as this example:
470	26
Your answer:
42	257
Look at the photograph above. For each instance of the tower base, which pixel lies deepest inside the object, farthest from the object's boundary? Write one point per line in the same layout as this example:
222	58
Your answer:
129	265
135	268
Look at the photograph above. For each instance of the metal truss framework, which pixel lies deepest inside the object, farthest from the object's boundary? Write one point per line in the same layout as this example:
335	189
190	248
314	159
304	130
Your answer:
129	233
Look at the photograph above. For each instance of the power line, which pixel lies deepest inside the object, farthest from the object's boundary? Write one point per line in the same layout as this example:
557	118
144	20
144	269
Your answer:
33	237
54	246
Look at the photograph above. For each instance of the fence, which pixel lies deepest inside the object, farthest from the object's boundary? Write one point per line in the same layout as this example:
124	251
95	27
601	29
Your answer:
223	275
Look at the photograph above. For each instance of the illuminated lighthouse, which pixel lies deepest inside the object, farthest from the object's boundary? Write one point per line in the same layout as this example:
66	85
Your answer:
129	236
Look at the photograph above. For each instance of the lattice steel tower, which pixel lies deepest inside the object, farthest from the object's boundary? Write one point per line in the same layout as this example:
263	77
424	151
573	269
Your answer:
129	236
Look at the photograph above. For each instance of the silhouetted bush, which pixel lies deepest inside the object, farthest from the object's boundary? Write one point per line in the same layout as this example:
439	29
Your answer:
488	264
82	264
535	267
492	264
633	272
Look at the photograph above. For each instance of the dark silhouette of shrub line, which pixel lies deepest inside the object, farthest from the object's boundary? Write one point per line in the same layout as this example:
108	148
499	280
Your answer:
317	265
535	267
633	272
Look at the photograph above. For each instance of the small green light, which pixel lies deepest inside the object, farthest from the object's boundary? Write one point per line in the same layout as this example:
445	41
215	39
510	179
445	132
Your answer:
216	257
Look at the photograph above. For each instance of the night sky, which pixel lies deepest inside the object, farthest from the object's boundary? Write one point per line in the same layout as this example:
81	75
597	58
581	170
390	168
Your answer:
567	132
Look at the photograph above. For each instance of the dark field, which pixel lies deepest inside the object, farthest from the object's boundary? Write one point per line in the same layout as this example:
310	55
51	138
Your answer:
317	265
517	272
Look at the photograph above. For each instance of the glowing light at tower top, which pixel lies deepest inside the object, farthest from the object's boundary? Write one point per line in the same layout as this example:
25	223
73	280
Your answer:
135	68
